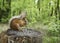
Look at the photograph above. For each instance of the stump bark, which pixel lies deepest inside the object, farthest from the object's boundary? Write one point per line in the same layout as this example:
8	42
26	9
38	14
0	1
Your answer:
25	36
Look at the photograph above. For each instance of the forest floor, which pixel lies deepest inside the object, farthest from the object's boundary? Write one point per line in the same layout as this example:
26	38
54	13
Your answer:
4	27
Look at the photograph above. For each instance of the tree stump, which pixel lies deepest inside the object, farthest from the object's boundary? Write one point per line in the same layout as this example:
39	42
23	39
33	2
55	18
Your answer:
24	36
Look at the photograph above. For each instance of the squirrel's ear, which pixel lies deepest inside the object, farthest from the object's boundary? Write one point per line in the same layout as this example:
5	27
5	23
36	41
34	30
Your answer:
23	14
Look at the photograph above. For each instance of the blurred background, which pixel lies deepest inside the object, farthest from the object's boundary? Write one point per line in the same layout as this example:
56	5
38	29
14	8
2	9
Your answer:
42	15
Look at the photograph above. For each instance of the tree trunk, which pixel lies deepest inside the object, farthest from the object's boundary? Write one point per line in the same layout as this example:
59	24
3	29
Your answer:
7	37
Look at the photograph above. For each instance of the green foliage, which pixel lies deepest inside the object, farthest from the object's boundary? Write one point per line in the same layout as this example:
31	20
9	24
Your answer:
32	8
51	40
4	10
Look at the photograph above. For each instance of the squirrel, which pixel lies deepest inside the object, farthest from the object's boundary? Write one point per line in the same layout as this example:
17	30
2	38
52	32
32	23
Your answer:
16	22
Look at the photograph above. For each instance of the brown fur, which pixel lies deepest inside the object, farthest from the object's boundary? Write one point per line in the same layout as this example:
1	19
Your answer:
20	22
